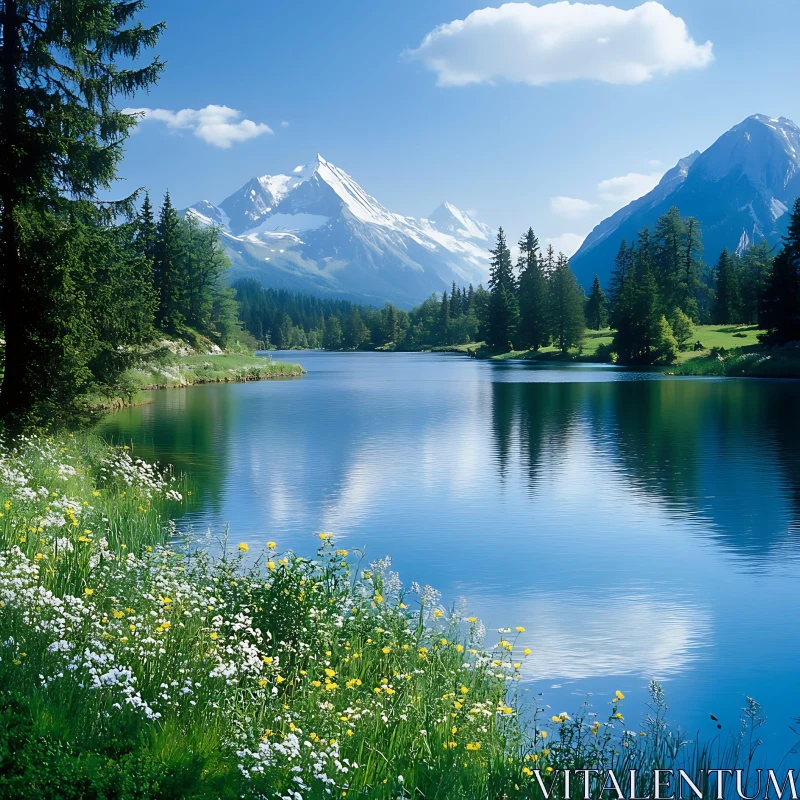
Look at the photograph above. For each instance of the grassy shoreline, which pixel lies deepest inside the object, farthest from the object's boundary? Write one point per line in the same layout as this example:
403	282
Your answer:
182	371
130	668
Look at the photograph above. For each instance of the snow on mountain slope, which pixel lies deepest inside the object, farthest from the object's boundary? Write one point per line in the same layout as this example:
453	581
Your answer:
739	189
317	230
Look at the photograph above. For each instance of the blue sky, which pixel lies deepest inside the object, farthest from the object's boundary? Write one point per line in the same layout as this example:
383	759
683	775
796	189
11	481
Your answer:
341	77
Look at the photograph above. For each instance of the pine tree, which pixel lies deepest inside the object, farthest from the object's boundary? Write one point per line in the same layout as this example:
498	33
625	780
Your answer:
689	284
779	312
533	295
567	322
503	310
727	307
756	265
168	269
668	256
637	311
596	313
444	320
623	268
501	272
146	234
503	320
60	137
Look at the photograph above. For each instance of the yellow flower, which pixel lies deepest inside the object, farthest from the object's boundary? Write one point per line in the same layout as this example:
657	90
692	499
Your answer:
270	565
89	591
271	545
618	695
526	651
556	719
326	536
214	635
543	734
316	684
342	553
244	547
280	679
464	690
473	745
330	672
95	494
402	605
267	659
618	715
527	771
118	614
38	556
386	650
595	728
459	648
520	629
437	613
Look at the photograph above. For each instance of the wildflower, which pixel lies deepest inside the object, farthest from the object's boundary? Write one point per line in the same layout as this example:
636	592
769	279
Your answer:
326	536
527	771
526	651
330	672
280	679
543	734
386	650
437	613
88	591
271	545
520	629
378	598
473	746
244	547
214	635
341	553
595	728
618	695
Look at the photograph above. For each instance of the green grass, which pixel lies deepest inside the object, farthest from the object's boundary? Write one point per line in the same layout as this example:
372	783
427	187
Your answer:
175	371
131	669
711	337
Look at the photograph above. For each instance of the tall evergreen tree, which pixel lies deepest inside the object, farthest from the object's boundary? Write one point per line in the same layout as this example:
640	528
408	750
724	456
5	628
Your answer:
60	136
444	320
596	310
169	269
727	306
623	268
567	321
503	310
779	312
533	295
501	271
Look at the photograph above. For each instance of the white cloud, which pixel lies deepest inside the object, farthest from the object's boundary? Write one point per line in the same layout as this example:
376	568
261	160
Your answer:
562	41
625	188
571	207
567	243
217	125
655	162
284	124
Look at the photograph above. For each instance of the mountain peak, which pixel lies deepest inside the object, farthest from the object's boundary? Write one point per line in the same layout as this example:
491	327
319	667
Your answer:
449	219
739	189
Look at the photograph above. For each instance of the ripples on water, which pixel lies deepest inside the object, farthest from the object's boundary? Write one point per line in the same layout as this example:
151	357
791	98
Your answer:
637	526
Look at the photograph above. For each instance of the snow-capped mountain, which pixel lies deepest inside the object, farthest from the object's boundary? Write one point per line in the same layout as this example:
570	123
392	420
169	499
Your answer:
316	230
739	189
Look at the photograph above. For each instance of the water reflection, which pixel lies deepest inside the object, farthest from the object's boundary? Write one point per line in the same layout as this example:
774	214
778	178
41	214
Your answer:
636	526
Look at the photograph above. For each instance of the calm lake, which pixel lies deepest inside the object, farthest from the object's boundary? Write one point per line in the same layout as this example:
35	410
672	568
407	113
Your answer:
637	525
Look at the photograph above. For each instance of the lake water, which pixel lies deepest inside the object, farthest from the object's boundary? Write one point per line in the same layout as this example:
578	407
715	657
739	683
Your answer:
637	525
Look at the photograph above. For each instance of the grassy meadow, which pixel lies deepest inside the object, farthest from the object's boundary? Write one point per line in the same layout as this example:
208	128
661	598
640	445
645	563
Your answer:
134	664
